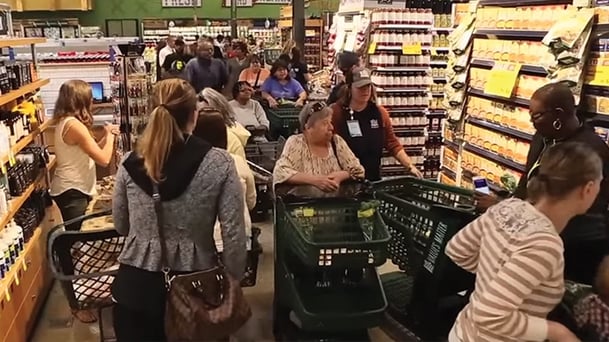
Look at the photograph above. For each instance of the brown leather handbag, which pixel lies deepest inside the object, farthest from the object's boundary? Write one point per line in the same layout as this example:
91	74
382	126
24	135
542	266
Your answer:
200	306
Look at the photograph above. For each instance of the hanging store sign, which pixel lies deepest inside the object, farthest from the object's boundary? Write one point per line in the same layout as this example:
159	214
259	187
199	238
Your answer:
181	3
502	79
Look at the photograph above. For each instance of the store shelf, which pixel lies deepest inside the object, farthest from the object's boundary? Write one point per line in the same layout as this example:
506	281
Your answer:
26	89
402	69
13	272
58	64
402	90
449	173
407	110
517	3
513	100
409	129
451	144
531	69
14	42
439	79
513	34
399	47
500	129
17	202
23	142
442	29
440	49
494	157
402	27
439	63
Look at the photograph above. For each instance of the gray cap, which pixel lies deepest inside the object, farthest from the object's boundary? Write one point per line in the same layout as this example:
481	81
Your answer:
360	77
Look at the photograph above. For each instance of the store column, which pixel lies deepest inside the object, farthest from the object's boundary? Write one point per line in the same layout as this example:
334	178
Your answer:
298	20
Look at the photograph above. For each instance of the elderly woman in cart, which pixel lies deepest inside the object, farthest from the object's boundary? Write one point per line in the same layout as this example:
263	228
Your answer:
317	157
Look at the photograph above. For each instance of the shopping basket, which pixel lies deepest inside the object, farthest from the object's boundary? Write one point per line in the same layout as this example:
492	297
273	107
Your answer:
265	154
405	208
85	263
261	157
334	233
284	120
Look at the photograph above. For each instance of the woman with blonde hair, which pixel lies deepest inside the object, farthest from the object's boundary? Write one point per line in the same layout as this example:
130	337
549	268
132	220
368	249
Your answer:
73	184
237	135
197	184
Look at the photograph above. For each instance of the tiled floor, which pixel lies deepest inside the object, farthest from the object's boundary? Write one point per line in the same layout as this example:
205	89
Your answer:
56	323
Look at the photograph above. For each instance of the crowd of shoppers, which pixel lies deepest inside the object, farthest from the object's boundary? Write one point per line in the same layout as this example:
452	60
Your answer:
193	149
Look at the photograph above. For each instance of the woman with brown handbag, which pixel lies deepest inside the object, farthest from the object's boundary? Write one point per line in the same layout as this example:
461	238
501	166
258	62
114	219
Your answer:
167	196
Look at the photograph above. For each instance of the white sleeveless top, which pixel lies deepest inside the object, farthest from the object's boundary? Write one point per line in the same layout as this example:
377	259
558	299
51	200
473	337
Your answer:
75	169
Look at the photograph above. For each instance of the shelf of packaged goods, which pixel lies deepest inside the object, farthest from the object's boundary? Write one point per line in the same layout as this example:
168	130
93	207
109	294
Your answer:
469	175
406	110
513	34
401	27
14	42
73	64
451	144
442	29
495	157
526	68
409	129
422	68
23	142
440	48
440	79
518	3
20	263
26	89
402	90
17	202
449	173
438	63
513	100
399	47
500	129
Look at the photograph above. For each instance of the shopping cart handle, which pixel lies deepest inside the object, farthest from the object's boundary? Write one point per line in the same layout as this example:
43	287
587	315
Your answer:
349	190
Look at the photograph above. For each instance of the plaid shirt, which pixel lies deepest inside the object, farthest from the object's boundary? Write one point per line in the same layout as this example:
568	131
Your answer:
593	312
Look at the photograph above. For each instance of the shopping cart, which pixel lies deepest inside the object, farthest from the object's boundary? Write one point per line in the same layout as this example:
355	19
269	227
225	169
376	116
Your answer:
261	157
284	120
422	216
85	263
326	253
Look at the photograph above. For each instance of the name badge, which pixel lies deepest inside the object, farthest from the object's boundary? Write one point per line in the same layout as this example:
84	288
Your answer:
354	129
374	123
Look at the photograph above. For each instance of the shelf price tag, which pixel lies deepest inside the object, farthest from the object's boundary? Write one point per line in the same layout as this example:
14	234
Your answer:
412	48
7	294
599	73
502	79
372	48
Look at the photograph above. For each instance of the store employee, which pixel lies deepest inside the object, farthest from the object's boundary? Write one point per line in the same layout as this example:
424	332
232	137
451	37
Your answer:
366	127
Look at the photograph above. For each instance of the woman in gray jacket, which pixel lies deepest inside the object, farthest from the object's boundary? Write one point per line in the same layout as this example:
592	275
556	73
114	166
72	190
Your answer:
197	184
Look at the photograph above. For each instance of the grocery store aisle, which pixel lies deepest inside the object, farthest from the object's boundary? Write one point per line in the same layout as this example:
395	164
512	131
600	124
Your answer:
56	323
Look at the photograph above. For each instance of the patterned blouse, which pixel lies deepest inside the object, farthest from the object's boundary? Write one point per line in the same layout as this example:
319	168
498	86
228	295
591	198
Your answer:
297	158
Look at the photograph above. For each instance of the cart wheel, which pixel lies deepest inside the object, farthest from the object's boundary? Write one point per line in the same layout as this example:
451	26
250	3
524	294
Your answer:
281	320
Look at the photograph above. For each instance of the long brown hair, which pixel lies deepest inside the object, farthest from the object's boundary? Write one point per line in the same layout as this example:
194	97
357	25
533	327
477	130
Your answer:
174	101
75	99
211	128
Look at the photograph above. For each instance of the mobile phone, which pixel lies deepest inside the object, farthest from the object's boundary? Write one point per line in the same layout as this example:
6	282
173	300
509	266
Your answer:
481	185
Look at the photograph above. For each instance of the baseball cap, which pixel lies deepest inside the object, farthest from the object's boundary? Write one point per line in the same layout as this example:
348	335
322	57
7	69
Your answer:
347	60
360	77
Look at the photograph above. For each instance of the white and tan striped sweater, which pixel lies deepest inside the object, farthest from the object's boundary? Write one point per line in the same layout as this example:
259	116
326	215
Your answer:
517	257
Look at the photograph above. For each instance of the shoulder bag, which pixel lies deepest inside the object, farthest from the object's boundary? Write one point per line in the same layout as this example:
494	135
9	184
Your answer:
200	306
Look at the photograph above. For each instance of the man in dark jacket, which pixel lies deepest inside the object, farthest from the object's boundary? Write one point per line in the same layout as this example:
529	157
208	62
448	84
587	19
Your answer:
346	62
205	71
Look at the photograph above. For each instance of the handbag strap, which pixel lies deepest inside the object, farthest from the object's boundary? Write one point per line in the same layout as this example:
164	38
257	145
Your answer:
334	150
156	197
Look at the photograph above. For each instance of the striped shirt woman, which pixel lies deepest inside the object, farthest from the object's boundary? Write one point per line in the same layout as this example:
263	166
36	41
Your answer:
517	256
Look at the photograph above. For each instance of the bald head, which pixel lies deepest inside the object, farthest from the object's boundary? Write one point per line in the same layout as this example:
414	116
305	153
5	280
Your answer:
556	95
205	49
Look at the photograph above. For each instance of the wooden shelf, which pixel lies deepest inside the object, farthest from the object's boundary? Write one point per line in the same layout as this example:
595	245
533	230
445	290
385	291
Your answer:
13	42
23	142
26	89
17	202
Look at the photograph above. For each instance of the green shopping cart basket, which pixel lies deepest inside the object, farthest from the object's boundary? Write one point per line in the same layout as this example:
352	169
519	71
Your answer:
330	233
284	120
405	208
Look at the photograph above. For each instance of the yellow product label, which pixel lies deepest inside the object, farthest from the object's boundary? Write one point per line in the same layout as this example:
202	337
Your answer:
412	48
372	48
308	212
365	213
502	79
599	73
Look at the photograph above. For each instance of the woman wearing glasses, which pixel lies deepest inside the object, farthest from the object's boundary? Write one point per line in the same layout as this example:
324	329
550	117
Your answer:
317	157
553	115
366	126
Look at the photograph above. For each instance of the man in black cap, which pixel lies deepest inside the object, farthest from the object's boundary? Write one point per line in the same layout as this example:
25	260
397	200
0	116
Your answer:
346	62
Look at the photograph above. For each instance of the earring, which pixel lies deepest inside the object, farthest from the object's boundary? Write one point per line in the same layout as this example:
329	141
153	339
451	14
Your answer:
557	124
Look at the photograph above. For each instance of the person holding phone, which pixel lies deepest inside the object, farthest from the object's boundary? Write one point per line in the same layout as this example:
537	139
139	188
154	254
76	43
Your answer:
586	237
